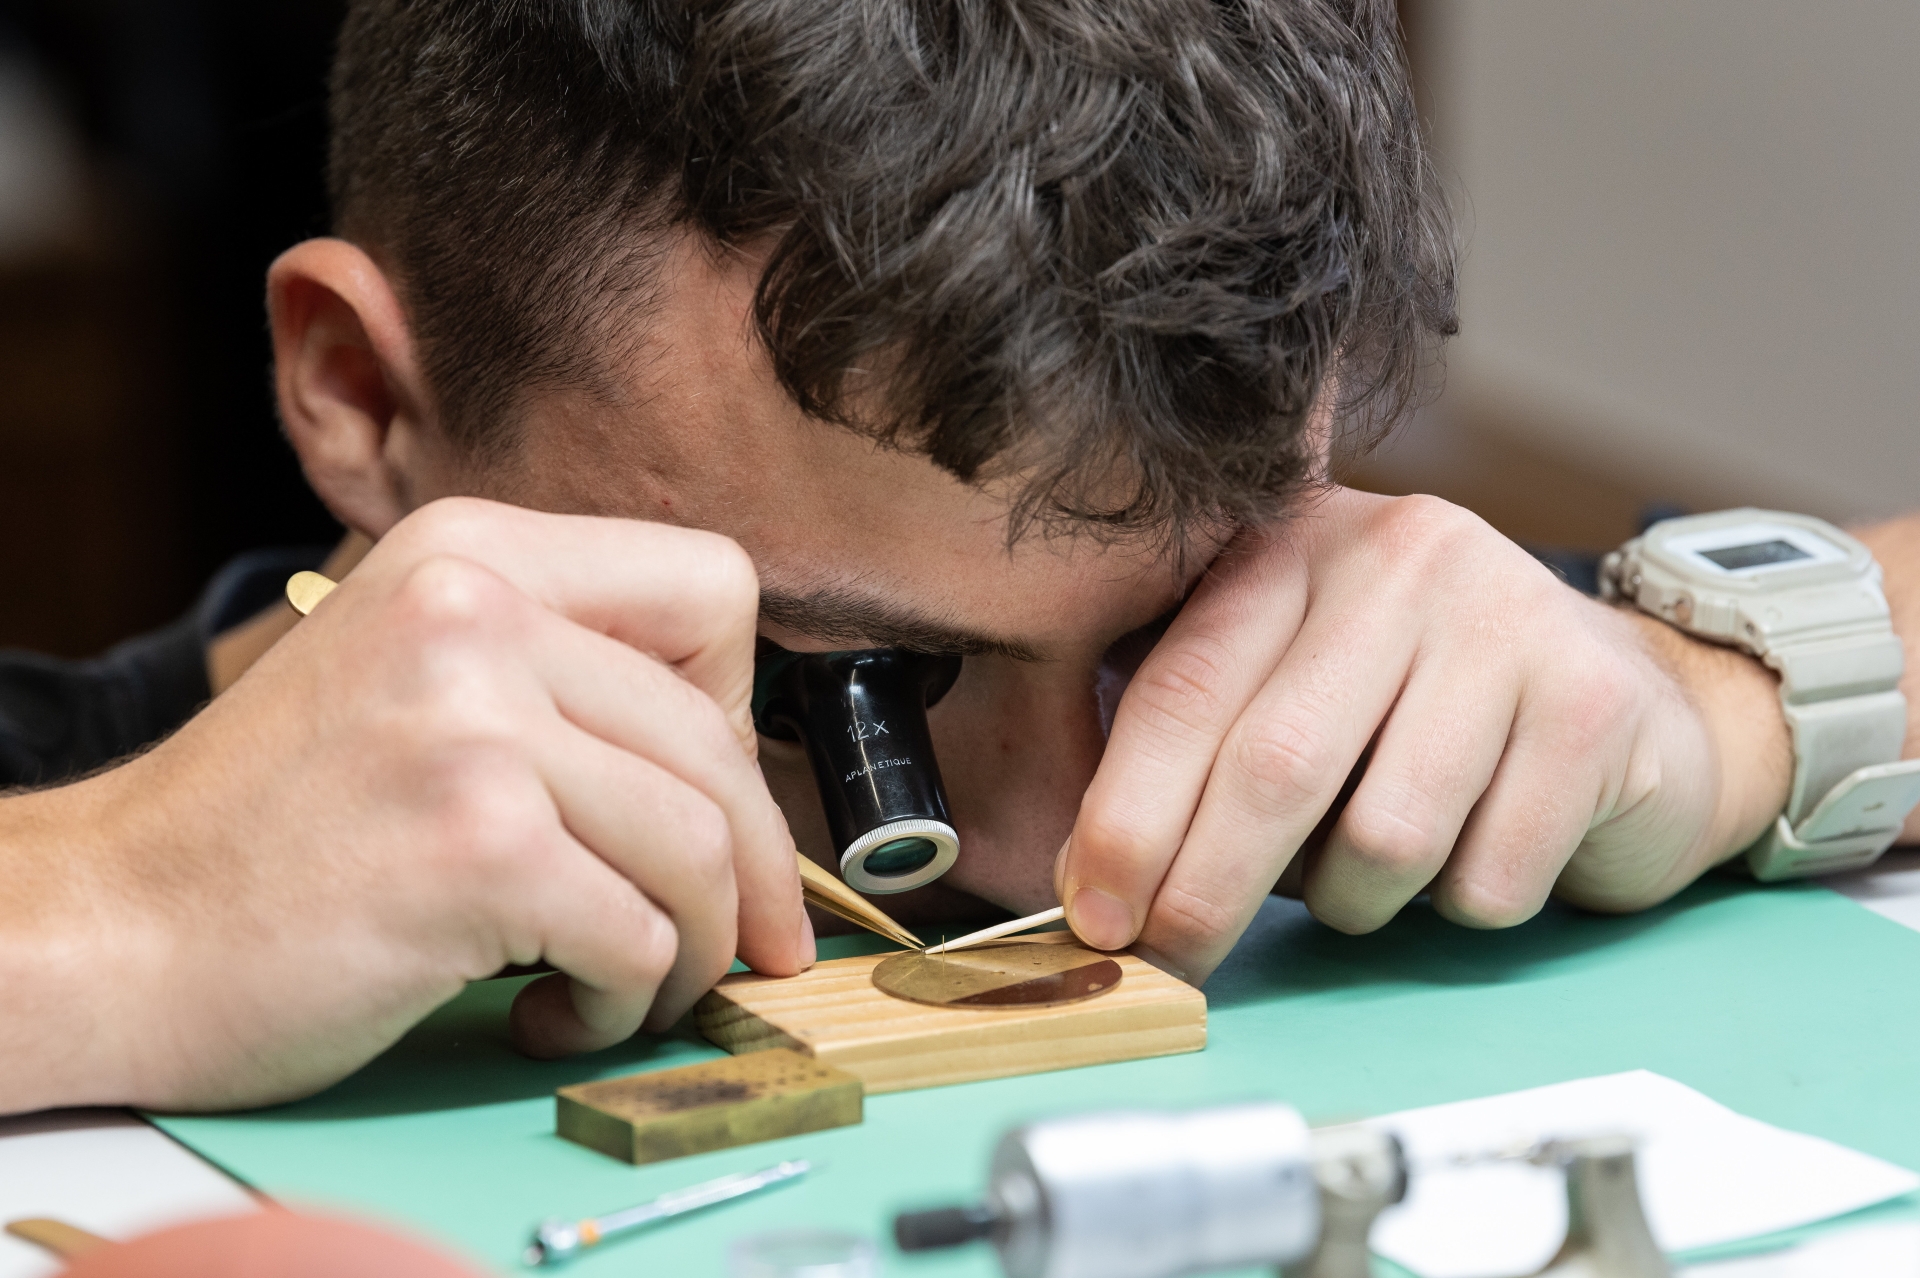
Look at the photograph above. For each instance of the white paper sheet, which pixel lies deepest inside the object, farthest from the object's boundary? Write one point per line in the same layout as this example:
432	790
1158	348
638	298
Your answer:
1890	887
1707	1175
105	1171
1866	1251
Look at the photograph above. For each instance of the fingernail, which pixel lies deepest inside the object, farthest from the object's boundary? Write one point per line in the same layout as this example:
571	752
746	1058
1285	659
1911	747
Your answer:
809	947
1100	919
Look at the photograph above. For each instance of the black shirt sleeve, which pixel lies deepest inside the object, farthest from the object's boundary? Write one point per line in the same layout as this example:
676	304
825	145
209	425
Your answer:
60	719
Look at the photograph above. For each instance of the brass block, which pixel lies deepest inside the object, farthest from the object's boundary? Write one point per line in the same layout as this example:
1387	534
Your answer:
737	1100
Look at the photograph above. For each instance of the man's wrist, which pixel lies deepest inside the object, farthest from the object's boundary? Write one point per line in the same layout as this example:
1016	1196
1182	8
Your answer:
1738	701
69	1024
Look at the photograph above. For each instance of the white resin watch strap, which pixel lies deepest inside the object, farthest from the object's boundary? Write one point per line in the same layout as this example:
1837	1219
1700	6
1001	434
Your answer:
1840	694
1852	825
1833	739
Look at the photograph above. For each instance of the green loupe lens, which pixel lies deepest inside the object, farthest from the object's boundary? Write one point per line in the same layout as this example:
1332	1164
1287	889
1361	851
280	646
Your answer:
902	856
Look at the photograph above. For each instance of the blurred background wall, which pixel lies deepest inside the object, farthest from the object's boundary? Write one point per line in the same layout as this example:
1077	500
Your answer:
1692	276
154	156
1692	270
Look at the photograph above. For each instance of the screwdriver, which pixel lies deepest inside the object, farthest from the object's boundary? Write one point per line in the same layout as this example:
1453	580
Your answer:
558	1241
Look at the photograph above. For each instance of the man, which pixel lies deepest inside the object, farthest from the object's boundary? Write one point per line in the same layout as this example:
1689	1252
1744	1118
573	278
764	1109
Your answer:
1023	333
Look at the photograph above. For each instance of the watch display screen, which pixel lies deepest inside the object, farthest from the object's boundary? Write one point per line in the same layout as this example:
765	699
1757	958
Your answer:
1754	555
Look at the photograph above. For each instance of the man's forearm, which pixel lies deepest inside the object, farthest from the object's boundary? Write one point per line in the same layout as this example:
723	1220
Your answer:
60	992
1896	545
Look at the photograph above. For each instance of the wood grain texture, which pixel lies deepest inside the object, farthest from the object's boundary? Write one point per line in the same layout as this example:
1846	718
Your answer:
834	1014
669	1113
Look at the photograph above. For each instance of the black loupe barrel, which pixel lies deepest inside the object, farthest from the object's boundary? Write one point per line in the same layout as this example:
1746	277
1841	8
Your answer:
862	717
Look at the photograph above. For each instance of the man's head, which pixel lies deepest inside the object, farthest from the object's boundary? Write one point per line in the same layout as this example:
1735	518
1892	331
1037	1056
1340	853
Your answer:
1107	252
876	287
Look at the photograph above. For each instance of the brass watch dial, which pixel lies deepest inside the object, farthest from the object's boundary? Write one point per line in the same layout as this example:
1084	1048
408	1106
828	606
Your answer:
1003	974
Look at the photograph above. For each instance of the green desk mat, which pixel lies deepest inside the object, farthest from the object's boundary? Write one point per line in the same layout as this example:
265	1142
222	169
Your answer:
1791	1004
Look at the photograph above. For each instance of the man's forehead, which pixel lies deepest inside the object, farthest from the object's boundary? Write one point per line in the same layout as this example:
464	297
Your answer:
865	615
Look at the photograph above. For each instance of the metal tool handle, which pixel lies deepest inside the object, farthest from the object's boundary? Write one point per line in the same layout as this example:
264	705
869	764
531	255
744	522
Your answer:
1361	1172
1607	1231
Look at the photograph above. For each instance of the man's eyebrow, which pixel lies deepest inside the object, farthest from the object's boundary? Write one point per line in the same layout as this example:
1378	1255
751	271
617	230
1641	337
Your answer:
842	616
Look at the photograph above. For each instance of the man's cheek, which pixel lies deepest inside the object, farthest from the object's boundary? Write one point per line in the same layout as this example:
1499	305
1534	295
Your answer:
1018	745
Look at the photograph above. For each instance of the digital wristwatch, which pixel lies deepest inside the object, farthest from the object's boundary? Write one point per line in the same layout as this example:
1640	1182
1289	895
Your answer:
1805	598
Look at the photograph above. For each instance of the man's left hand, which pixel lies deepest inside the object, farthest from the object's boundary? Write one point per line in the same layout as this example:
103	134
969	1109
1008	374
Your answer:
1518	737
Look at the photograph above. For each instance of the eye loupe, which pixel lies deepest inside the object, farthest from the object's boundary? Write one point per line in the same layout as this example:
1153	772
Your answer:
862	717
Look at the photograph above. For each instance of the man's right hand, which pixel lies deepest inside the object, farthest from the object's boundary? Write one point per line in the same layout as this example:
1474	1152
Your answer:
508	737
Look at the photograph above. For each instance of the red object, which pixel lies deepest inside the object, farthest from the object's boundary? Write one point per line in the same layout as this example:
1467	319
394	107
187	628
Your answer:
270	1244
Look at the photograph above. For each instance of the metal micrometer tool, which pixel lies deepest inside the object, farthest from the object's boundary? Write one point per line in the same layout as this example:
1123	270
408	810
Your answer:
1154	1195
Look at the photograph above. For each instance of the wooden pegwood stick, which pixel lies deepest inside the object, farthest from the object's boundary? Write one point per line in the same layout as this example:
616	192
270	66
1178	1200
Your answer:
305	590
69	1242
999	930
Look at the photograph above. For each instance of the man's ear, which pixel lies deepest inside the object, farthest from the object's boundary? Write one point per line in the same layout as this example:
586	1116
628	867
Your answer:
352	398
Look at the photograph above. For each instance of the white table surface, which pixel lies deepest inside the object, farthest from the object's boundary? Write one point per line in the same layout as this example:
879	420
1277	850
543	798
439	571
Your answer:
105	1171
1889	887
109	1172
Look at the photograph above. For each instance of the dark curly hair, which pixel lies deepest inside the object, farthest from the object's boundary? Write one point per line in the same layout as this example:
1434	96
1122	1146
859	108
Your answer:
1109	251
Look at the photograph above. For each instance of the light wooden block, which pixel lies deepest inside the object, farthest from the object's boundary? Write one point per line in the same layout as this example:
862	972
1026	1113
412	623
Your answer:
669	1113
834	1014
